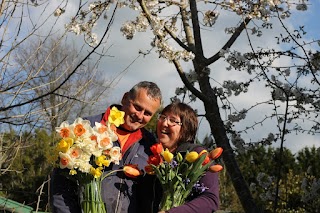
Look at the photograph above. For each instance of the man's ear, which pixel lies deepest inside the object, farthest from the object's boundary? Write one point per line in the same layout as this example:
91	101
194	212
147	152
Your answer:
125	99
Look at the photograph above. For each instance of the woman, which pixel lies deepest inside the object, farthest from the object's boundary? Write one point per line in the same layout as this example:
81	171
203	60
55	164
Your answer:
176	129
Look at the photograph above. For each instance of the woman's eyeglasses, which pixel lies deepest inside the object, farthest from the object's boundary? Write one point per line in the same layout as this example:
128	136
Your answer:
171	121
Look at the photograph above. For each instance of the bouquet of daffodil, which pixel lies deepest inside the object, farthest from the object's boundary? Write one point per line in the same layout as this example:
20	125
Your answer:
85	151
179	174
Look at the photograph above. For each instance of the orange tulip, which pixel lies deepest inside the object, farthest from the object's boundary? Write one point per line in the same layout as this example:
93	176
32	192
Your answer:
216	168
206	160
132	170
214	154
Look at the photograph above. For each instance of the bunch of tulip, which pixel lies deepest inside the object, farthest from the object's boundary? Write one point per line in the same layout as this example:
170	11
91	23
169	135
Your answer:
179	174
84	152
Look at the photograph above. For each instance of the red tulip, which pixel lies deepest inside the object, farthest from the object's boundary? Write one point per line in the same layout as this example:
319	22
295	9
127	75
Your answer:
149	170
156	148
155	160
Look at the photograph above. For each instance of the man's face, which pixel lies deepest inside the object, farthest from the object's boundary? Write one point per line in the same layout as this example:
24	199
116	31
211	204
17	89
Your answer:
138	110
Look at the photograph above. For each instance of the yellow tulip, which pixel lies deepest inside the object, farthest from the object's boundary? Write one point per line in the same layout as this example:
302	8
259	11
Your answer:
167	155
192	156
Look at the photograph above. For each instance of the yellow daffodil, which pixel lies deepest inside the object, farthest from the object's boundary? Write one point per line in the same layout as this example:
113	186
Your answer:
65	161
65	130
64	145
102	160
167	155
79	143
116	117
72	172
192	156
96	172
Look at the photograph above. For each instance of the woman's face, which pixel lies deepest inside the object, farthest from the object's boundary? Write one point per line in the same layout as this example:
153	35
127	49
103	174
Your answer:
168	130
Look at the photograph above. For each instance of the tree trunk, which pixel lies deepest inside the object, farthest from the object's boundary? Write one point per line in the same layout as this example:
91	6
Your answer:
220	136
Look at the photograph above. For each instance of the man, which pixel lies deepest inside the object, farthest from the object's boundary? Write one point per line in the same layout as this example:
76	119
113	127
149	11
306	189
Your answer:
120	193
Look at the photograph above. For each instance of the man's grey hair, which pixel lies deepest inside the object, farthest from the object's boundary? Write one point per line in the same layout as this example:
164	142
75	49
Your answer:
153	91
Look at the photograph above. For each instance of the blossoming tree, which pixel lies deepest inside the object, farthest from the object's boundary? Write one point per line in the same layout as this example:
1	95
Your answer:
43	77
289	70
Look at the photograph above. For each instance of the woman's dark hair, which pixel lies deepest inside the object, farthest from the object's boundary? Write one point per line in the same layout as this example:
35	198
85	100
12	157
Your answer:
188	119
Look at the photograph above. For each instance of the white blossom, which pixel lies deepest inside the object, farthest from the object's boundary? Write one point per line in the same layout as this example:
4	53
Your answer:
230	30
310	190
302	7
237	117
210	17
278	94
142	23
192	76
223	52
152	3
233	86
238	142
180	90
58	12
264	180
287	72
270	137
128	30
74	27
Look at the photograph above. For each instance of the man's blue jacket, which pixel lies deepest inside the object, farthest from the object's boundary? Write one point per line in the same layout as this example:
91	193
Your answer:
121	194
